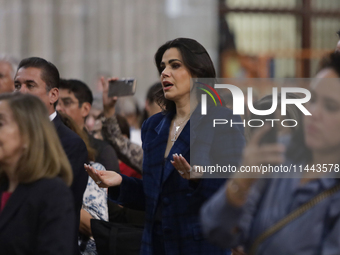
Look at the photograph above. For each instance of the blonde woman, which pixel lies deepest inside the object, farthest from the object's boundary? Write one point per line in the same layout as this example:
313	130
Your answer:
37	213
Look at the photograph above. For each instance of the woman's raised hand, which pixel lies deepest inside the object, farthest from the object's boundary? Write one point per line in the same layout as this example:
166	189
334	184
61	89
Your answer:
108	102
104	179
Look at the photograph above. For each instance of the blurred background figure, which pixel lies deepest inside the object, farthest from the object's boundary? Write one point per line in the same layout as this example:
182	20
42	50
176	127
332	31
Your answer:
8	68
274	216
338	44
129	109
125	129
92	122
151	105
97	128
75	99
37	214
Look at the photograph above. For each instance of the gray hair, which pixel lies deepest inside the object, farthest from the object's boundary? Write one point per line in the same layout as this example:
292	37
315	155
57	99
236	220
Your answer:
13	62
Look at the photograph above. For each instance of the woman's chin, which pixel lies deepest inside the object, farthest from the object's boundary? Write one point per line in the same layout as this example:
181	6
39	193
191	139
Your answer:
168	96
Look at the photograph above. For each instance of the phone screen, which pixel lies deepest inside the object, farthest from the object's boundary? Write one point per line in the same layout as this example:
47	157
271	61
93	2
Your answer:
124	87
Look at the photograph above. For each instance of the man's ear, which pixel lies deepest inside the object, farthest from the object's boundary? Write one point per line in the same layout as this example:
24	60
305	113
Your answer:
53	95
85	109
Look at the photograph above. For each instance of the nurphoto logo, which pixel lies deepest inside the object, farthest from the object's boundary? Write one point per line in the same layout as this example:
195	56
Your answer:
239	104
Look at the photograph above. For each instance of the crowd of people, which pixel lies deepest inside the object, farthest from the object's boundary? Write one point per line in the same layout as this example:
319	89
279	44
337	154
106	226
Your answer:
66	164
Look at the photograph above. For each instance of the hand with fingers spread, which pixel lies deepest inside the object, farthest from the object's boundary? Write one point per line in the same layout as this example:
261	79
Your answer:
184	168
108	102
104	179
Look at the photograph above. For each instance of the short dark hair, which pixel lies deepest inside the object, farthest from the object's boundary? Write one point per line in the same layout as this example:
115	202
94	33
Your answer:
49	73
195	58
80	90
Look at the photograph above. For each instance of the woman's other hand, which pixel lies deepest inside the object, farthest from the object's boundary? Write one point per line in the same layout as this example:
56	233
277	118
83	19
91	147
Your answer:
108	102
104	179
184	168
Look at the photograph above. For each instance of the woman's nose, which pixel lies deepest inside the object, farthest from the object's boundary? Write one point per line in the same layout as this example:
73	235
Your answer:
165	73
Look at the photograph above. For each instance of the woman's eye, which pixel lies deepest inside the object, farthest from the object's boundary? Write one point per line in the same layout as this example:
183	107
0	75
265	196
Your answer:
175	66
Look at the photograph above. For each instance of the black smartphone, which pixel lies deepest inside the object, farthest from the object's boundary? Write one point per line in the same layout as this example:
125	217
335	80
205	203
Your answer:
122	87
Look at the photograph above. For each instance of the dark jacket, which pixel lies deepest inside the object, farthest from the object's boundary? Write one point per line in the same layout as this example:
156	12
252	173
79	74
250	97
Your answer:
38	219
76	152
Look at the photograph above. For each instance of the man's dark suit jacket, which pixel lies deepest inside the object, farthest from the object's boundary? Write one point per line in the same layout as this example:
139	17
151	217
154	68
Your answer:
38	219
76	152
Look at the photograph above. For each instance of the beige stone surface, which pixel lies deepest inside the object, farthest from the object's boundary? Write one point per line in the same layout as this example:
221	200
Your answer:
118	37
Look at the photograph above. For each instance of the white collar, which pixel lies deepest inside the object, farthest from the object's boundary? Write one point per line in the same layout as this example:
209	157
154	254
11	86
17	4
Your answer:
53	115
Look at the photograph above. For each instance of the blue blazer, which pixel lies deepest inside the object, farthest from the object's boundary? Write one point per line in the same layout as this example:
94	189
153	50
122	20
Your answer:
162	185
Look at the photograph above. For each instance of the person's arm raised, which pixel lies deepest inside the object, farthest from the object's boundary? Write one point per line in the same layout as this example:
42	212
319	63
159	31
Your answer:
108	102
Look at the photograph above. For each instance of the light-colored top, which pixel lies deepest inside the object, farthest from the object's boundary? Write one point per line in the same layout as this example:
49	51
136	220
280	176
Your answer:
95	198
